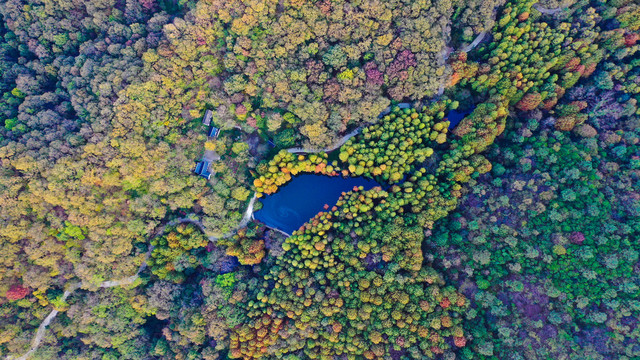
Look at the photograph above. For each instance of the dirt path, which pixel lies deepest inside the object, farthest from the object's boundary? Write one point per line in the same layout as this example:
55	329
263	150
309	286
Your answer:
248	214
475	42
35	342
548	11
43	326
336	145
345	138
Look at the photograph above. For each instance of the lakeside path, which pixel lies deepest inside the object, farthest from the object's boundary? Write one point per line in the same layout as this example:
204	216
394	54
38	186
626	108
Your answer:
548	11
337	144
346	137
475	42
248	214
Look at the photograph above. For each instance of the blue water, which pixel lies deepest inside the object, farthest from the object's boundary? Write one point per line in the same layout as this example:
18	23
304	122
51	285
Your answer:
455	116
303	197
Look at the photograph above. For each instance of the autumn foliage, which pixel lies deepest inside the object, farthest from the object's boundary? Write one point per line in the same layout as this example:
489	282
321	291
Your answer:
17	292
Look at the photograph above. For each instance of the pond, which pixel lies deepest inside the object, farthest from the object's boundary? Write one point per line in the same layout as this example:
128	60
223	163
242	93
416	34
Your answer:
303	197
306	195
455	116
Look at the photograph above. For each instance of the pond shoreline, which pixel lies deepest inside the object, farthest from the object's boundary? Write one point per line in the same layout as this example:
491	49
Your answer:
271	221
346	137
304	197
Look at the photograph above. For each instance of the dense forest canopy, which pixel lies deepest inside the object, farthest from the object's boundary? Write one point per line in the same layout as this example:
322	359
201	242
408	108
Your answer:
513	235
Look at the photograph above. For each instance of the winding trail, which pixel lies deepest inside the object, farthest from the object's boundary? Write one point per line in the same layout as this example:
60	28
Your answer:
548	11
35	342
337	144
475	42
248	215
344	139
43	326
37	339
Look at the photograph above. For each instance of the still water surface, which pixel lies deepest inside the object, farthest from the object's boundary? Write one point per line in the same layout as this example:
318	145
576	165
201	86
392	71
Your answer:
303	197
306	195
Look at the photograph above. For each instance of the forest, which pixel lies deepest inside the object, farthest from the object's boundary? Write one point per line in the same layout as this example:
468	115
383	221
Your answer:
513	234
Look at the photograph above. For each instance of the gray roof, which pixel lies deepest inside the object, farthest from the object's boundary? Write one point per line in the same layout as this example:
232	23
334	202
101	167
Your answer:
208	115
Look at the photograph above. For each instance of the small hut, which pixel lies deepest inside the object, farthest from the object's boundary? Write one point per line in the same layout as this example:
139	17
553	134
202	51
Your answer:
202	169
206	175
214	132
208	115
198	168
